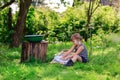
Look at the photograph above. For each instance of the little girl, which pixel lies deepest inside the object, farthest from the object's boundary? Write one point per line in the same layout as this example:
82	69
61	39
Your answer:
80	53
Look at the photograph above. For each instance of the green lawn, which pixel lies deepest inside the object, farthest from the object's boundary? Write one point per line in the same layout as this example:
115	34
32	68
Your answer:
104	64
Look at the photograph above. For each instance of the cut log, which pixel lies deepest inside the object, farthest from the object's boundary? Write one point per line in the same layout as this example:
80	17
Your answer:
35	50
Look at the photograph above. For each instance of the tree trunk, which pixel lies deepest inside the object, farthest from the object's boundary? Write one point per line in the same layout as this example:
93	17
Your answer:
20	25
34	50
89	15
87	27
10	19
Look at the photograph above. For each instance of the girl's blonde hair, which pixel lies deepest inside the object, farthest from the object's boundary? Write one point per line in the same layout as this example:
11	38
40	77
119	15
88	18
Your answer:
76	36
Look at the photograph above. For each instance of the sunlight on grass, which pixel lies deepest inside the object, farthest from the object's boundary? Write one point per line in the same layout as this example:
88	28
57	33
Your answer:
95	53
114	37
108	50
118	56
93	76
24	68
1	77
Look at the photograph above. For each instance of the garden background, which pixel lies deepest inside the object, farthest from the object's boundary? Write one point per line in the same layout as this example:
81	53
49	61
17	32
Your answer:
103	42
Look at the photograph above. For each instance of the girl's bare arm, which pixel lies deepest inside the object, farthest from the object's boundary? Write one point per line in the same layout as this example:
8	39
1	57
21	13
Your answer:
69	51
79	50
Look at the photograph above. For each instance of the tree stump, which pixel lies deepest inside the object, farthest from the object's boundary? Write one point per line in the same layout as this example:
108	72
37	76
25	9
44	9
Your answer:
36	50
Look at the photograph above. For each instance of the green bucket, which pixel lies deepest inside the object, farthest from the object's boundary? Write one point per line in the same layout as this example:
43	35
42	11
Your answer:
33	38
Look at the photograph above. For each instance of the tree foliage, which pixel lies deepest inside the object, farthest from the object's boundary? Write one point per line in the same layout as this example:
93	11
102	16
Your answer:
59	27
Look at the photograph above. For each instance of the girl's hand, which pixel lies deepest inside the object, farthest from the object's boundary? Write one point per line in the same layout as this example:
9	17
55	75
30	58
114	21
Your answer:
73	54
67	57
64	57
64	54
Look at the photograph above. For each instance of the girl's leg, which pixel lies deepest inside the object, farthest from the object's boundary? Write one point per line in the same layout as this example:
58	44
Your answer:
76	57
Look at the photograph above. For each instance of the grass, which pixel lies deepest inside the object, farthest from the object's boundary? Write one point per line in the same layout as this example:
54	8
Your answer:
103	65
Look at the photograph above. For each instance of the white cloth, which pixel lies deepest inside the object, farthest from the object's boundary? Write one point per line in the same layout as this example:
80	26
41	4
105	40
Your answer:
57	59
